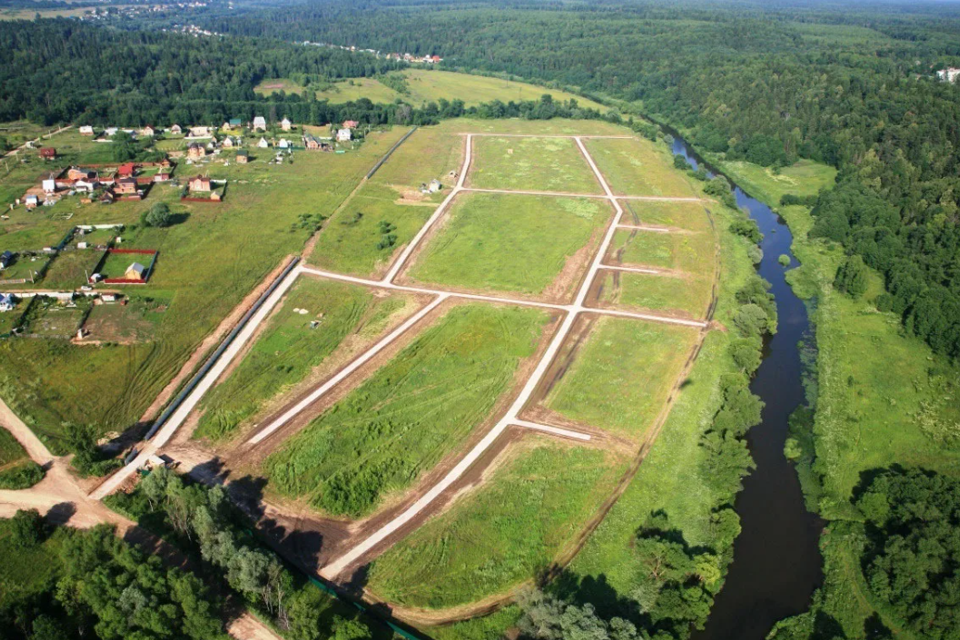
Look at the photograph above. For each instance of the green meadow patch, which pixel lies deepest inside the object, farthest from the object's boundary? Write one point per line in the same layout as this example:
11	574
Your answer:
539	164
687	295
638	167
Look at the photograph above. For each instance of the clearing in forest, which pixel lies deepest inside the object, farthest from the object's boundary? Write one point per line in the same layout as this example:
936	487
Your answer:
534	164
509	242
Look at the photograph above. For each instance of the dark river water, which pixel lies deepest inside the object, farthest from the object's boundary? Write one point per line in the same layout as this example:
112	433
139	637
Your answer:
777	563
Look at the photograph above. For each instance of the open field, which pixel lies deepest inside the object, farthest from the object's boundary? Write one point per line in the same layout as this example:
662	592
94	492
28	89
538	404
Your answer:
417	408
70	269
556	126
364	235
544	164
687	295
519	243
621	375
289	348
210	259
502	533
688	252
431	153
428	85
136	321
686	216
638	167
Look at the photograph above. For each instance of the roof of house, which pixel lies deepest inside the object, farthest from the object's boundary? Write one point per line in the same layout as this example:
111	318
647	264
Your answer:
128	167
47	151
235	121
137	267
242	152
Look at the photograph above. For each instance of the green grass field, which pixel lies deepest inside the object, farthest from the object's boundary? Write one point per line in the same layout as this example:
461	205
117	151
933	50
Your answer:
510	242
430	153
501	534
556	126
688	252
209	261
688	295
638	167
622	375
428	85
686	216
70	269
289	349
400	422
541	164
11	451
356	241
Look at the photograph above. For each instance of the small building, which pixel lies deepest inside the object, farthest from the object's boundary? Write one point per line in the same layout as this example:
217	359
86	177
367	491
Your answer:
148	131
6	259
948	75
31	201
161	176
135	271
311	142
176	130
434	186
200	132
227	143
109	297
196	151
48	153
86	130
86	186
259	124
49	185
76	173
344	135
243	157
126	170
350	124
285	124
199	183
125	186
284	143
7	302
263	144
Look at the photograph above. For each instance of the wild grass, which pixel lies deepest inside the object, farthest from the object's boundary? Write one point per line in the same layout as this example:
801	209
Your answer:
70	269
689	295
688	252
541	164
509	242
622	375
687	216
638	167
430	153
415	409
289	348
502	533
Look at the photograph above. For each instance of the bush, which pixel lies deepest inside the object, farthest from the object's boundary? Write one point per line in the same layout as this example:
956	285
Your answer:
784	260
157	216
28	527
679	162
851	277
21	476
747	228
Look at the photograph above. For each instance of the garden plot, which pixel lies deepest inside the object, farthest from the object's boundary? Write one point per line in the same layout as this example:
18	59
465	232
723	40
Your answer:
537	164
512	527
637	167
47	318
420	406
71	269
317	318
135	321
619	378
537	245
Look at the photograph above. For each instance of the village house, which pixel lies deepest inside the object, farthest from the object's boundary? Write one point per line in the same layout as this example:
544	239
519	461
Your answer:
199	184
86	130
125	186
49	183
259	124
7	302
350	124
86	186
196	151
949	74
176	130
126	170
135	271
147	131
76	173
200	132
48	153
227	143
344	135
263	144
5	259
242	157
284	143
161	176
286	125
31	201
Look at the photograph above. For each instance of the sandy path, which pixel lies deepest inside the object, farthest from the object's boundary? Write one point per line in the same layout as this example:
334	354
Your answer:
37	451
572	194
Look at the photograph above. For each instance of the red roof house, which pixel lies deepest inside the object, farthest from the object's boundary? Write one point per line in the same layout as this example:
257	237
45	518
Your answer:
350	124
48	153
126	170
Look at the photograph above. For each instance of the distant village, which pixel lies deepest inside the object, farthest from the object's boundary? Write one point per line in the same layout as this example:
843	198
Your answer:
405	57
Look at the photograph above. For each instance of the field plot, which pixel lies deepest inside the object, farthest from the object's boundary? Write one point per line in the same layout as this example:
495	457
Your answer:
70	269
621	375
365	234
50	319
685	216
539	164
686	295
429	154
291	346
501	534
688	252
638	167
414	410
509	242
136	321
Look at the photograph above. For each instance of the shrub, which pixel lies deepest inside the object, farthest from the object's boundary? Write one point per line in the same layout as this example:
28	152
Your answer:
157	216
851	277
21	476
28	528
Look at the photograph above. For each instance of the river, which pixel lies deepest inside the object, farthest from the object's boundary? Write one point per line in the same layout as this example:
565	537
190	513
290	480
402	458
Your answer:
776	559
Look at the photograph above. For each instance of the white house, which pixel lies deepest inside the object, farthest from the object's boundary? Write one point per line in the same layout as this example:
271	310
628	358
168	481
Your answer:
49	185
285	124
176	130
86	130
259	123
344	135
263	144
949	74
284	143
87	186
227	142
32	201
7	302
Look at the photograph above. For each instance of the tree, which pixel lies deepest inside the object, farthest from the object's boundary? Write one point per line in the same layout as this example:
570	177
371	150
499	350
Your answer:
852	277
28	528
157	216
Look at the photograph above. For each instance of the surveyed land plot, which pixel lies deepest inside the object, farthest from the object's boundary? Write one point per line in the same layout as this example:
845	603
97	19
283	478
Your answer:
364	236
536	245
675	216
500	534
621	375
413	411
686	252
637	167
430	153
314	320
536	164
685	295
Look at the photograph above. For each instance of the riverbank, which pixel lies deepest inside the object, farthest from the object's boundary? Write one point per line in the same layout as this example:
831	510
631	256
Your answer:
871	391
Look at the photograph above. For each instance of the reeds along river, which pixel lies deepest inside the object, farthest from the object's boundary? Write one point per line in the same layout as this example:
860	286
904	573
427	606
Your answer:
777	563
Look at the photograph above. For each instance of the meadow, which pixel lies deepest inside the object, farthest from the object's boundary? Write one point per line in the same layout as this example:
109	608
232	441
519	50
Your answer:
431	153
686	216
209	260
501	533
688	295
688	252
510	242
289	348
638	167
70	269
542	164
428	85
622	374
414	410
